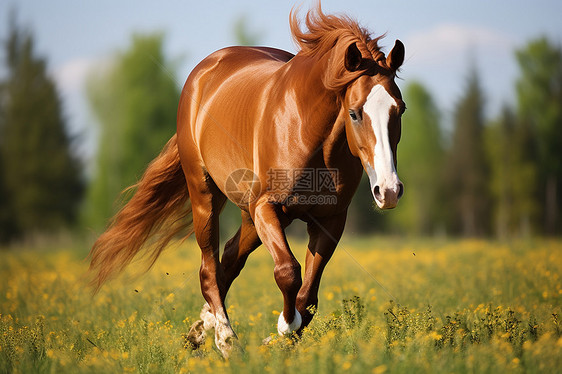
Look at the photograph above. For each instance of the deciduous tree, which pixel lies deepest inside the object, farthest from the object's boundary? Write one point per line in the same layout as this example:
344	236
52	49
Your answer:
135	102
513	174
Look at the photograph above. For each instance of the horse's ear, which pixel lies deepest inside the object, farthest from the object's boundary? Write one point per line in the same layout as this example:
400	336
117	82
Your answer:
353	57
396	56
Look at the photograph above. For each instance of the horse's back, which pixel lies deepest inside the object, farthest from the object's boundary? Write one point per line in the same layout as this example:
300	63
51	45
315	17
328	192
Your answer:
248	55
228	61
224	65
221	102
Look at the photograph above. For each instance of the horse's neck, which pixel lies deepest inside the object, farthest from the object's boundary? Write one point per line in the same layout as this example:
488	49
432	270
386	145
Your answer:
323	125
335	147
307	76
325	105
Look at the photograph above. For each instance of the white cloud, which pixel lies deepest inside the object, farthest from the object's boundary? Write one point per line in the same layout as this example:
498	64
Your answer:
71	76
451	41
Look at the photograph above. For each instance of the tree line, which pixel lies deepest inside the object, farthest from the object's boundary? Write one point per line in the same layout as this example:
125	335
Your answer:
499	176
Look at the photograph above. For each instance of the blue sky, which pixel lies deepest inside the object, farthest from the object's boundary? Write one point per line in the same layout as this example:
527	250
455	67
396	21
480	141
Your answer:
442	38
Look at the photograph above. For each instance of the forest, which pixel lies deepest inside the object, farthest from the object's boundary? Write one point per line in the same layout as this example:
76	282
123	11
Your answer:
467	175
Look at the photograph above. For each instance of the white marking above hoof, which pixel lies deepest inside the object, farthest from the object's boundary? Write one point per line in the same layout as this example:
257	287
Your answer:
208	318
284	328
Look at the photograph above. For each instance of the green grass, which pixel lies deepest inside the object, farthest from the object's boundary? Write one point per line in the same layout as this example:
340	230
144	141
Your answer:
386	305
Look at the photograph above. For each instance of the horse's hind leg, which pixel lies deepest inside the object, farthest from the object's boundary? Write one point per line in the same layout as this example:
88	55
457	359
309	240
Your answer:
238	248
207	202
236	252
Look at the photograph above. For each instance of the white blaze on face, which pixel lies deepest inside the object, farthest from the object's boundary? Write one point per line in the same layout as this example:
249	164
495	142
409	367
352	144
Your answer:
381	170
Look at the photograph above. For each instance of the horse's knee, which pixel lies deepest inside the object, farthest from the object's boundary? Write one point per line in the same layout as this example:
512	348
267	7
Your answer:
288	277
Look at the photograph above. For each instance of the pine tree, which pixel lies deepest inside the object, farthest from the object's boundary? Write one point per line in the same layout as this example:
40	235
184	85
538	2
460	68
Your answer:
40	174
8	227
466	169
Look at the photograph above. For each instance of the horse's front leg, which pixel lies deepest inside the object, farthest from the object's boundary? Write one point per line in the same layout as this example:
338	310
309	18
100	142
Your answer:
270	222
325	234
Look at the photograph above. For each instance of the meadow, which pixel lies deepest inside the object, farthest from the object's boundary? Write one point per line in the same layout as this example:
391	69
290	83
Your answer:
386	305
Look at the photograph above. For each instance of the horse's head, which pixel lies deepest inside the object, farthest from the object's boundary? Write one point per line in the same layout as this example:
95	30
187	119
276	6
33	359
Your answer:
373	108
356	69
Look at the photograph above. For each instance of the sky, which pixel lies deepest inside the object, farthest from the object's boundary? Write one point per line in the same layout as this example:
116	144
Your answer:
443	39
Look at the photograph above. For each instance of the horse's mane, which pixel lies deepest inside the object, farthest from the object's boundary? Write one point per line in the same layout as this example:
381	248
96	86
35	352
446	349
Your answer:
325	33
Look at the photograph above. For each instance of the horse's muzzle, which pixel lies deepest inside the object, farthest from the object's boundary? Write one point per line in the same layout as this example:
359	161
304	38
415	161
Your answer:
387	198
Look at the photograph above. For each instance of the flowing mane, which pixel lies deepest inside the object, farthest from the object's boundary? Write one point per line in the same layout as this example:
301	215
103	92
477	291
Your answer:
330	33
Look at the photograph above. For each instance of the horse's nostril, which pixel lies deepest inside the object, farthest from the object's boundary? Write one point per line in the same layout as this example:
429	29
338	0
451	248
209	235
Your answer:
377	193
400	190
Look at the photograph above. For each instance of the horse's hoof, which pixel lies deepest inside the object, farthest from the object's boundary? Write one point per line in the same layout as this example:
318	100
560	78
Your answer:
196	336
229	346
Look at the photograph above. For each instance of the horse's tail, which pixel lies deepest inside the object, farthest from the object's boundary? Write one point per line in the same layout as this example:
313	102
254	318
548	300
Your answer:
160	208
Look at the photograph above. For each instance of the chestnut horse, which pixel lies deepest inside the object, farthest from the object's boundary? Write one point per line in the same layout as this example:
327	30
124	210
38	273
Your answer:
284	137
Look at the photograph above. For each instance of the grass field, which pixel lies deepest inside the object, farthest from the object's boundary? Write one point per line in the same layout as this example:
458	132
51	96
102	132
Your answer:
386	305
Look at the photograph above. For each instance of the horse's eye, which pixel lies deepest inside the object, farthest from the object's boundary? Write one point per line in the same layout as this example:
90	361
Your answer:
353	115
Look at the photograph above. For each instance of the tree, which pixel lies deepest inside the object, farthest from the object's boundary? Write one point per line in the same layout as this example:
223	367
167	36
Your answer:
466	168
420	161
510	151
539	91
8	227
40	175
135	102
